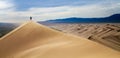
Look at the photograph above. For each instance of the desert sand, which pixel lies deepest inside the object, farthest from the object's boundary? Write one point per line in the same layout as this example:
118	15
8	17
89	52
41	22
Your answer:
107	34
32	40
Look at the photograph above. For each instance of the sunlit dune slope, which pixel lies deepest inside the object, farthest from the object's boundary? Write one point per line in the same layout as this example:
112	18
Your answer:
32	40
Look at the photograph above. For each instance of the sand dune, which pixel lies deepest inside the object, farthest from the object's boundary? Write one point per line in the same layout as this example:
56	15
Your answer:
107	34
32	40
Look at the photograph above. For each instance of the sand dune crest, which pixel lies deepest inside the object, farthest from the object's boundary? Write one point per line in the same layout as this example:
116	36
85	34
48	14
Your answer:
32	40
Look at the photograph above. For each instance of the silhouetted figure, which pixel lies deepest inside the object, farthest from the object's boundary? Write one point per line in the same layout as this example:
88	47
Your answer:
30	18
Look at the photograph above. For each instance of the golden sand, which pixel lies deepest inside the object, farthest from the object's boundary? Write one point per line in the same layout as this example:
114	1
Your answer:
32	40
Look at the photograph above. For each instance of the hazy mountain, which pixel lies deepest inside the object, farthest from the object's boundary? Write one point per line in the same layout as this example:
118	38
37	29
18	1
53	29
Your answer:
112	19
7	27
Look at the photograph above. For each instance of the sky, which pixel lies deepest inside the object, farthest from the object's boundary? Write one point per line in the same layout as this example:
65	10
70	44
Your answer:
42	10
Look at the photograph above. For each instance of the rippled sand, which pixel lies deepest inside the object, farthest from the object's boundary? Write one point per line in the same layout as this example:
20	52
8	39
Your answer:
32	40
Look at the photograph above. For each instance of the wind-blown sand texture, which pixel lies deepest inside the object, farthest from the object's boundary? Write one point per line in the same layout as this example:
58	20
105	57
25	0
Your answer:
32	40
107	34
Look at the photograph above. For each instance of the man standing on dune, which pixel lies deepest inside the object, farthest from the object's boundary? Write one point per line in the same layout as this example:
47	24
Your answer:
30	18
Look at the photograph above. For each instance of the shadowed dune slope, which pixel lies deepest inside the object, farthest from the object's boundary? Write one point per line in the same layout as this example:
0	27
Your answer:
32	40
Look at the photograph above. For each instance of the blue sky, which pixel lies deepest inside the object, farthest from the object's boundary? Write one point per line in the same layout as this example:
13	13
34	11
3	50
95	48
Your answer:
26	4
20	10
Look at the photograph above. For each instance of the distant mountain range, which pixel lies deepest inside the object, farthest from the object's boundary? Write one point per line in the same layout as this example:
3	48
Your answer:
112	19
7	27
